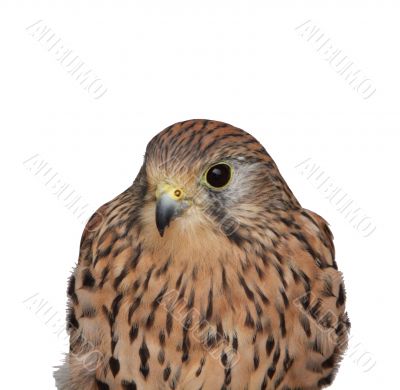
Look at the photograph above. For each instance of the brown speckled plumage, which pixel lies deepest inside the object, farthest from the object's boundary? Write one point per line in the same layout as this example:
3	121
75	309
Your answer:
241	292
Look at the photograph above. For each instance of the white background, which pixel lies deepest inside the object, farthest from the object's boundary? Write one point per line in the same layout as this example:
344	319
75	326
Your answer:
244	63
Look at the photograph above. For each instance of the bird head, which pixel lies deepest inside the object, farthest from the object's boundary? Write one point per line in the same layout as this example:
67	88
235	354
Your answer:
207	177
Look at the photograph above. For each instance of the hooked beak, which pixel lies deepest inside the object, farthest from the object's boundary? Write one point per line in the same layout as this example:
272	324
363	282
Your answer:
169	205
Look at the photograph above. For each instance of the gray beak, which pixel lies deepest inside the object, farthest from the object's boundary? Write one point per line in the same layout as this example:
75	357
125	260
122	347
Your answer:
166	210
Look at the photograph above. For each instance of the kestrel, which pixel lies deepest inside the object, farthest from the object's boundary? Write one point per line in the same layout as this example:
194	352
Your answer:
205	274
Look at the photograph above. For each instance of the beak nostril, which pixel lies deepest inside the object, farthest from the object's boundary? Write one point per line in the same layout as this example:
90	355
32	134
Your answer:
169	205
166	209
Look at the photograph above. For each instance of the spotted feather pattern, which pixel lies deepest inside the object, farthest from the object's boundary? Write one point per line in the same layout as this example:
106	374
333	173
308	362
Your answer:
242	292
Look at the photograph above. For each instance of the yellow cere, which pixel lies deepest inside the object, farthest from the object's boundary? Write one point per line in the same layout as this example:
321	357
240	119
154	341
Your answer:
174	192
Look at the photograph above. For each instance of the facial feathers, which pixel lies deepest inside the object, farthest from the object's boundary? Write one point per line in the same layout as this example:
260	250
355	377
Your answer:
205	274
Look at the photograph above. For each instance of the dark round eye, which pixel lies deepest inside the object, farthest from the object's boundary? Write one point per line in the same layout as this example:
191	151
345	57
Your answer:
218	175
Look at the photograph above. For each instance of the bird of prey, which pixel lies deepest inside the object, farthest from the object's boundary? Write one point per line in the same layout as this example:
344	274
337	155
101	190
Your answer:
205	274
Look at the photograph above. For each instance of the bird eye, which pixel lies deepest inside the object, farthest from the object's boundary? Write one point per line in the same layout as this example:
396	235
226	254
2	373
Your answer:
218	176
